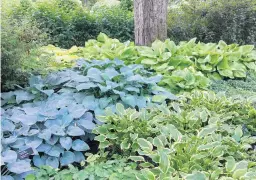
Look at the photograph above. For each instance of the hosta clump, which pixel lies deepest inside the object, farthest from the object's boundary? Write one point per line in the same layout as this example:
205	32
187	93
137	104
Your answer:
121	129
55	115
214	60
111	169
185	80
185	156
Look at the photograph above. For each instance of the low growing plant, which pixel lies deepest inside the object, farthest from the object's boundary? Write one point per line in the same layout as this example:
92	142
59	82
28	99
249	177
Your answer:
55	115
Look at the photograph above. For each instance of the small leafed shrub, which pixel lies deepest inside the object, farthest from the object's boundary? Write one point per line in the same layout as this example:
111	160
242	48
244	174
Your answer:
211	21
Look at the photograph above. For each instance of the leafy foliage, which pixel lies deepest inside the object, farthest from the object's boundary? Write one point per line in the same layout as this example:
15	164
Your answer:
240	87
187	65
19	36
55	114
120	131
111	169
203	136
211	21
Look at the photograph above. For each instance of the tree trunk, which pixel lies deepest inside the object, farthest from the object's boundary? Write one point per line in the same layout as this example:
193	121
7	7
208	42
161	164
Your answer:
150	21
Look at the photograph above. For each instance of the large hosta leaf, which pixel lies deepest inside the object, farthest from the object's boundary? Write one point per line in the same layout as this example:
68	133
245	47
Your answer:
75	131
67	158
19	167
66	142
52	161
9	156
79	145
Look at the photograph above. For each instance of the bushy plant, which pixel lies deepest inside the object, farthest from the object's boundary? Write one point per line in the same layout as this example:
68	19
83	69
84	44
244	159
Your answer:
66	22
55	115
19	38
115	22
120	131
212	21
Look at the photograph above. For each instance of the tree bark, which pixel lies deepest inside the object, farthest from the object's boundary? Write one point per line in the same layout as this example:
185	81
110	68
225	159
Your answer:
150	19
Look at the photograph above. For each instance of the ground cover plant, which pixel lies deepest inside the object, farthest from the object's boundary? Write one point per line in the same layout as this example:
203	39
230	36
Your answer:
241	87
55	115
186	66
186	144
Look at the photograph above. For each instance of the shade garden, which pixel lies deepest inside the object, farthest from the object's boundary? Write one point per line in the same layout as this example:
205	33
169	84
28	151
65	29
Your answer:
113	110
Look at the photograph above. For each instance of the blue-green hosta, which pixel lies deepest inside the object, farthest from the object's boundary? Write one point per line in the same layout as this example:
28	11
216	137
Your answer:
55	115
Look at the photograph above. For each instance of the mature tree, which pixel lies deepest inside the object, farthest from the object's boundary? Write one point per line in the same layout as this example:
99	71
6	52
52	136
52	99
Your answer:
150	21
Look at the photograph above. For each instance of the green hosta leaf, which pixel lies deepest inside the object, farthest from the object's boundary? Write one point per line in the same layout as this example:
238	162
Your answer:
250	175
159	98
104	144
148	174
239	173
245	49
166	55
218	151
137	158
120	109
172	132
125	144
158	143
207	130
239	131
144	144
100	138
208	146
133	136
164	163
196	176
230	164
149	61
102	37
146	165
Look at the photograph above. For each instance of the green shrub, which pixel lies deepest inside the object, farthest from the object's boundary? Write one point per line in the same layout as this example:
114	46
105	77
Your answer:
126	4
115	22
210	21
20	37
66	22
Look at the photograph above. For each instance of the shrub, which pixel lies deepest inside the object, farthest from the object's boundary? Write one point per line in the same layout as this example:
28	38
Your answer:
19	36
66	22
115	22
211	21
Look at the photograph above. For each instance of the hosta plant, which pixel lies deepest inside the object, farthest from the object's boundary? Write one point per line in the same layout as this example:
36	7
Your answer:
55	115
115	169
185	80
121	129
203	156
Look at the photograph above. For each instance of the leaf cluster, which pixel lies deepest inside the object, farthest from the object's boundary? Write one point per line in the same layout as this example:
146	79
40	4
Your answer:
55	115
